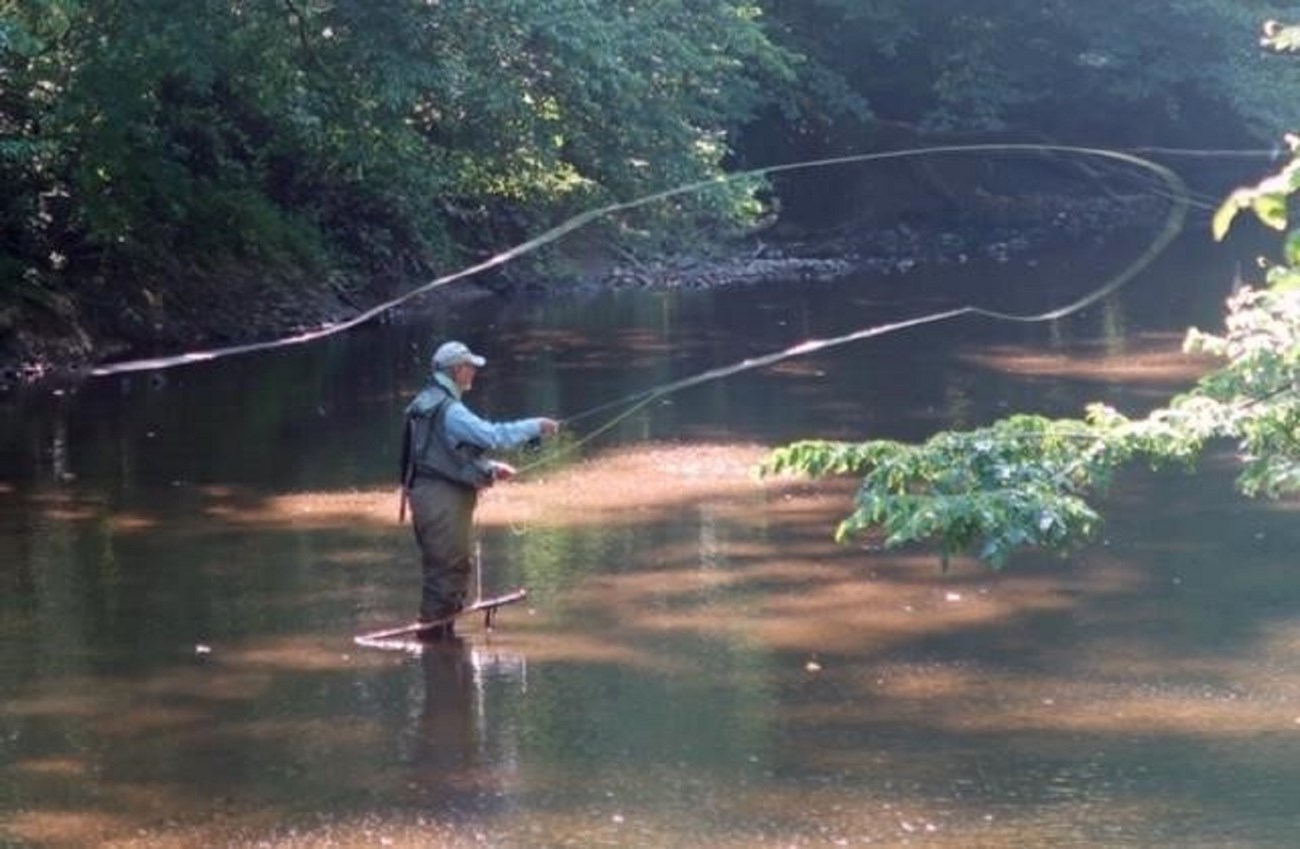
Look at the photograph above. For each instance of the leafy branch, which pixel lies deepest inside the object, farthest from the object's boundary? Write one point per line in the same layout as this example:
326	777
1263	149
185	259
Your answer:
1022	481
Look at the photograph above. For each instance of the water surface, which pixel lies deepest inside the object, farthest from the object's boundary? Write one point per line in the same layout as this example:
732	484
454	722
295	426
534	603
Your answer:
186	557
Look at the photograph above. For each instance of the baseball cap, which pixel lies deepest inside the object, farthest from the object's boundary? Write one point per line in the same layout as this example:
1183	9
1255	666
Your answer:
451	354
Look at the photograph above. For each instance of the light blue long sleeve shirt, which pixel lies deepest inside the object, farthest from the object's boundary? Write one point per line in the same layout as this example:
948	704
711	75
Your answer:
462	425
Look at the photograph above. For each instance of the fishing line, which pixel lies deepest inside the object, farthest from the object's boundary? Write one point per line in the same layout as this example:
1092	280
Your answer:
1179	203
1272	153
584	218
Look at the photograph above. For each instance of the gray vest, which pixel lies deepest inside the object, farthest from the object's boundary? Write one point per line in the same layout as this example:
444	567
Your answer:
426	450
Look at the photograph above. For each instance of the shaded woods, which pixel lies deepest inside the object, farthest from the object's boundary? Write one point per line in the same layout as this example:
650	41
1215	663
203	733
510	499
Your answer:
179	173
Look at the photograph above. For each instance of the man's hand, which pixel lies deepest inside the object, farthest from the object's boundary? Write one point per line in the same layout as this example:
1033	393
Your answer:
502	471
549	426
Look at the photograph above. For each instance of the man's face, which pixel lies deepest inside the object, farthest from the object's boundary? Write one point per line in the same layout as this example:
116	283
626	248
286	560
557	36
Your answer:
463	375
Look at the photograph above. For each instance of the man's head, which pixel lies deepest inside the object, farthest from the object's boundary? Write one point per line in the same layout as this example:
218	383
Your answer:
458	362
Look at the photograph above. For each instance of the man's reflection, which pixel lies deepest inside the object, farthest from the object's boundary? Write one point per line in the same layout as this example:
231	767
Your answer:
466	751
449	725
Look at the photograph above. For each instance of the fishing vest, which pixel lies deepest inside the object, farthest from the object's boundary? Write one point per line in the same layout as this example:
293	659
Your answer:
426	451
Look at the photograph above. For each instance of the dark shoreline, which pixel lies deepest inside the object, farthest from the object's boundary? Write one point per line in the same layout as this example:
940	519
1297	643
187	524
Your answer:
243	309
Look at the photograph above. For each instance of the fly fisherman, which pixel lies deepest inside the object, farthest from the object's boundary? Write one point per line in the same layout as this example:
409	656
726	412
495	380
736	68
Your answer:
444	465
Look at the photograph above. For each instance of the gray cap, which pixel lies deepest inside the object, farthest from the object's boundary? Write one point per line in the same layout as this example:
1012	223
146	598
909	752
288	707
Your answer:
451	354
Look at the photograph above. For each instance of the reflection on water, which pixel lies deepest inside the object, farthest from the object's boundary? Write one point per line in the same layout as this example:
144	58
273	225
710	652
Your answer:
185	562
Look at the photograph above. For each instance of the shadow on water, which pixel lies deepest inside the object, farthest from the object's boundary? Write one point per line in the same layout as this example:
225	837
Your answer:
697	663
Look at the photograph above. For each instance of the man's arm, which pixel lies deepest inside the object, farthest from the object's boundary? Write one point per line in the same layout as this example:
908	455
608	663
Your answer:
463	426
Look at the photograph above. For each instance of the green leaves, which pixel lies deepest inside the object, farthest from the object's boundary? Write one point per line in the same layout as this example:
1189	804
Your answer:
1280	37
1019	482
1025	481
1257	391
381	136
1268	200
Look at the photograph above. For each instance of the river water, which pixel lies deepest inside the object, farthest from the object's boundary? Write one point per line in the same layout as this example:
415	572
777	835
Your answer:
185	558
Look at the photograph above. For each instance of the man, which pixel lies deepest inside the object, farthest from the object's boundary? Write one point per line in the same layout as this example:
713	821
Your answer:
444	465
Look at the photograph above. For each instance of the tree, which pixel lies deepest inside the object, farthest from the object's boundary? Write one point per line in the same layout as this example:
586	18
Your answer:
1026	480
145	143
1118	72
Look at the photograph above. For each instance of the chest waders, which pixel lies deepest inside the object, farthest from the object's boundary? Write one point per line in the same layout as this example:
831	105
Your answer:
440	484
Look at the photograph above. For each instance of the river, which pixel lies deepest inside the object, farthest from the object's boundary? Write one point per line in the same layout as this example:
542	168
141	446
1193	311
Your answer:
186	556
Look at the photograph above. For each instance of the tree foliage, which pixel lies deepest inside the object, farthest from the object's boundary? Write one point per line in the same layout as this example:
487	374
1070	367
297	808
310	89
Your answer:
141	138
1117	72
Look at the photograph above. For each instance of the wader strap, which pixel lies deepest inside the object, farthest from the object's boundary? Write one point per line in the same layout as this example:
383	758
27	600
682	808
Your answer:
408	472
409	454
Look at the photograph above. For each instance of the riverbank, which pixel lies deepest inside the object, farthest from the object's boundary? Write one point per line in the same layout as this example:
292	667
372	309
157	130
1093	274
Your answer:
237	306
991	232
